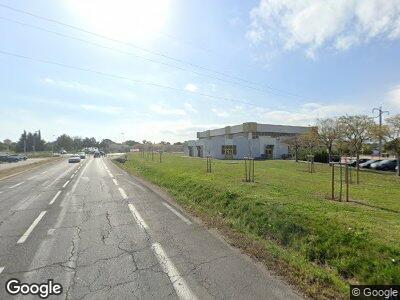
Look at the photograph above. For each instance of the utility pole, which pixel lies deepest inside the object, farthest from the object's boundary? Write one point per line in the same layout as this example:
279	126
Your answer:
380	113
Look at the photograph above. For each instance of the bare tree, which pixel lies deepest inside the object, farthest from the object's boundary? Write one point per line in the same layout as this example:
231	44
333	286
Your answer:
328	134
309	140
356	130
393	143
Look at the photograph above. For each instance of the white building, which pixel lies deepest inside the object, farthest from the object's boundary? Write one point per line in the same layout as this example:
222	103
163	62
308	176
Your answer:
261	141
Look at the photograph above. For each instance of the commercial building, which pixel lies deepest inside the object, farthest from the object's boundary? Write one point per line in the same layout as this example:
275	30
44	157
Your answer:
261	141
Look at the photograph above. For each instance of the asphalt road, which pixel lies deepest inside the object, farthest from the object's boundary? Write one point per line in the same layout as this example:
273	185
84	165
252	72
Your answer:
102	234
29	161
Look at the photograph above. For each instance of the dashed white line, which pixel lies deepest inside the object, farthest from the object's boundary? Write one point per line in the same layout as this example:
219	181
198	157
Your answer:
15	185
1	269
44	172
123	194
32	177
137	216
182	289
177	213
54	198
115	182
72	176
65	184
30	229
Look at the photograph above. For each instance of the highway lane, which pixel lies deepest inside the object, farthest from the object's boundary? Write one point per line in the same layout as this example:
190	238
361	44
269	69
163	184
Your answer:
108	235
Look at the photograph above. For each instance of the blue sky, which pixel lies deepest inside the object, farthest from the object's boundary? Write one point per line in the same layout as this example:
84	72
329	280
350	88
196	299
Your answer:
269	61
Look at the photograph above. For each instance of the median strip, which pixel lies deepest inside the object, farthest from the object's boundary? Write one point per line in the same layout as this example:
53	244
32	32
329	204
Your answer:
181	288
15	185
30	229
137	217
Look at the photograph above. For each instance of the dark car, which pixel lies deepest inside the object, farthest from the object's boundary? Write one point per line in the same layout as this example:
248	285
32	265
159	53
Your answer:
13	158
385	165
22	157
3	158
97	154
353	162
368	163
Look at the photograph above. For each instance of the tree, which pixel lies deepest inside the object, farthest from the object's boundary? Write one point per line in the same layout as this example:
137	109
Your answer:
65	142
393	144
294	144
356	130
328	133
309	140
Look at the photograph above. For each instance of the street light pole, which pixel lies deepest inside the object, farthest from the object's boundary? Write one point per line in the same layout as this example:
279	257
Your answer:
380	113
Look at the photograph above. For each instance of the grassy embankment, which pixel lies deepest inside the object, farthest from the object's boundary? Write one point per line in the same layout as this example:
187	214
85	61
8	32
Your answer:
287	220
17	169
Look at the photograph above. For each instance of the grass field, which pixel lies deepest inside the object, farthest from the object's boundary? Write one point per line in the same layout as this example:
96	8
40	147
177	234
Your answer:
323	243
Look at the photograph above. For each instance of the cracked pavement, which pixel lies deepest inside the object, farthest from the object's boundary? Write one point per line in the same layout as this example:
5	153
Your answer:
90	242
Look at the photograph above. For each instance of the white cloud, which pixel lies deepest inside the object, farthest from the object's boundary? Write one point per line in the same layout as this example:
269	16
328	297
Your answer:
316	24
164	110
190	87
87	89
394	96
220	113
189	107
102	109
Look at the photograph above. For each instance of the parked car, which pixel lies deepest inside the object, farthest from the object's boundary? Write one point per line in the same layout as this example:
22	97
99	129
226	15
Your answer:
23	157
3	158
75	158
353	162
13	158
385	165
368	163
82	155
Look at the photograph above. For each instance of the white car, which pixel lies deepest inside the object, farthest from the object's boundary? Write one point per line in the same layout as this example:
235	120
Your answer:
74	159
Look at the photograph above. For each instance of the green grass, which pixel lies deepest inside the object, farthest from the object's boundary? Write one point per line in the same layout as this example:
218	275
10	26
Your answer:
327	243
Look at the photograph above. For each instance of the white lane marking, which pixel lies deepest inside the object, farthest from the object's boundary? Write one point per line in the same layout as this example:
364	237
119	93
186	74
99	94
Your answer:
30	229
15	185
123	194
115	182
50	231
182	289
44	172
1	269
32	177
183	218
65	184
72	176
54	198
138	217
111	175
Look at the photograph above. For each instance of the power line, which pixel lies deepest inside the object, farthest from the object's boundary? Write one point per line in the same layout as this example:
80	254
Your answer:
148	50
38	60
133	55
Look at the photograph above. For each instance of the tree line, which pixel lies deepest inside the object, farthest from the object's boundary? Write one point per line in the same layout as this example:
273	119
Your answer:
349	135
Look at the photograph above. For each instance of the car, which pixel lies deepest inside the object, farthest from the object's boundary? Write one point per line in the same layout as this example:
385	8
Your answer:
385	165
3	158
96	154
82	155
63	152
13	158
23	157
368	163
353	162
74	159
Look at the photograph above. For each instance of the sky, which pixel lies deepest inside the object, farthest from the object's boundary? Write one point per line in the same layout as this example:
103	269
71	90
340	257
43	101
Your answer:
163	70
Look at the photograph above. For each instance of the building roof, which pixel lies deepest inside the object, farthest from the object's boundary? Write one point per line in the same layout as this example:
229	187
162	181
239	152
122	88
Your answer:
253	127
